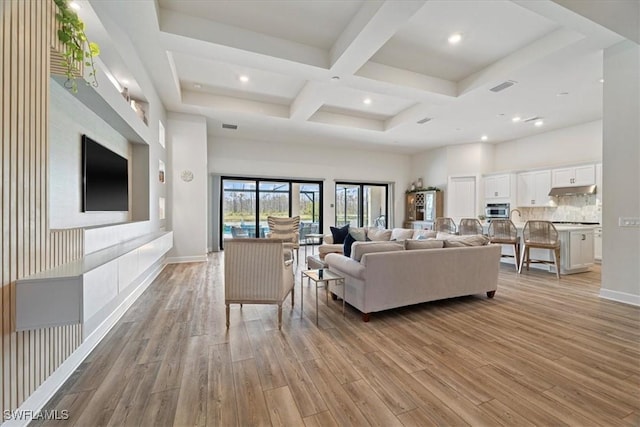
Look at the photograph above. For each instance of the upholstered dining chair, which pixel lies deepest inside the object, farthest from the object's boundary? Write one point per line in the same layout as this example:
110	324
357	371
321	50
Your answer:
287	229
504	232
255	272
445	225
469	226
541	235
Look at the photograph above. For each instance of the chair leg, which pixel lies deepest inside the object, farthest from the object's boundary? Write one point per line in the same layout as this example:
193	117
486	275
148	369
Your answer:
516	257
524	249
293	290
556	261
227	310
279	316
528	257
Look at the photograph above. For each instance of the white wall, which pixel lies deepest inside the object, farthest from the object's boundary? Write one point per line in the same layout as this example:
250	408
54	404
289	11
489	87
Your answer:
187	139
572	145
69	119
240	157
621	173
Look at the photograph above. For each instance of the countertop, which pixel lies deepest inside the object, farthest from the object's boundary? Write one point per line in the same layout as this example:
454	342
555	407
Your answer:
559	227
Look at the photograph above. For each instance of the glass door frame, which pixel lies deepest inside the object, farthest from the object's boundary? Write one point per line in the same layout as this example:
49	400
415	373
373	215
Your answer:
361	210
257	181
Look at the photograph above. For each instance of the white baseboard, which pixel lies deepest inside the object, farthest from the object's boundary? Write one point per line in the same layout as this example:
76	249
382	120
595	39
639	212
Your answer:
34	403
181	259
620	297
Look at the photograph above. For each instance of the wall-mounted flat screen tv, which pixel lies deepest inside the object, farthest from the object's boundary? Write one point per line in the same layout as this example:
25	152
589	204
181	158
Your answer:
105	178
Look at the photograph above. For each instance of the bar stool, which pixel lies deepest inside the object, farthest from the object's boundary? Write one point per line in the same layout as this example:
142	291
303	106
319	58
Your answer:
504	232
469	226
540	235
445	225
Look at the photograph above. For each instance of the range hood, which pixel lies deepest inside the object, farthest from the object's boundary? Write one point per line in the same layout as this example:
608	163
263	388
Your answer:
572	191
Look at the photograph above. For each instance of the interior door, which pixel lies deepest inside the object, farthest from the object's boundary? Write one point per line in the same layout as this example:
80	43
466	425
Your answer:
462	197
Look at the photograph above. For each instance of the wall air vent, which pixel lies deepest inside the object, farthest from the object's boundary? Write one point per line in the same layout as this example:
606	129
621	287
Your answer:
503	86
228	126
423	121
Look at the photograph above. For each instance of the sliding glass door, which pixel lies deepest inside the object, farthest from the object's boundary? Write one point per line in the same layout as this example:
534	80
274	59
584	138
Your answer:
248	202
361	204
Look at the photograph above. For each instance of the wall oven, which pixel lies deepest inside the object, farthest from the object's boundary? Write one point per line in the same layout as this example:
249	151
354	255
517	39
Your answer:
497	211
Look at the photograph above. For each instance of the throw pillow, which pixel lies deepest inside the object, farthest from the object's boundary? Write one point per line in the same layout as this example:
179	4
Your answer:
378	235
401	234
348	241
354	235
339	234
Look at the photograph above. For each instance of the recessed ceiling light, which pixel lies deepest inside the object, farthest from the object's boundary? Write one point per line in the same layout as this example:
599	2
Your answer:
75	6
539	123
367	101
243	78
455	38
484	137
601	80
197	85
516	119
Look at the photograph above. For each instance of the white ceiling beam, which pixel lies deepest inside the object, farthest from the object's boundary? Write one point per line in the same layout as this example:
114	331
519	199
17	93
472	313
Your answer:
228	103
308	101
189	27
405	78
606	21
408	116
500	70
346	120
373	26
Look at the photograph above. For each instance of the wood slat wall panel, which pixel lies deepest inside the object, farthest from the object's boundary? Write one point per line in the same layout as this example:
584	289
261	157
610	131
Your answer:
27	246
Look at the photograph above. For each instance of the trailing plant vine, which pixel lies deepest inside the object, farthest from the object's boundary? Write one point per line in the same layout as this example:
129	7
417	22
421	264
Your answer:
77	47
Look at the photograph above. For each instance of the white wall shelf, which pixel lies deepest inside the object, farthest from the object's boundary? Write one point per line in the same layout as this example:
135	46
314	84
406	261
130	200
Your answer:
85	290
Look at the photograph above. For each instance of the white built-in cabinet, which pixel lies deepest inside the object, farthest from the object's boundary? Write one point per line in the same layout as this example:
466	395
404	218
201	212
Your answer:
497	187
579	252
533	188
574	176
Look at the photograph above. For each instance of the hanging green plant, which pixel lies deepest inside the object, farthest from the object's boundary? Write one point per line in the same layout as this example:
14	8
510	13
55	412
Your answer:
77	48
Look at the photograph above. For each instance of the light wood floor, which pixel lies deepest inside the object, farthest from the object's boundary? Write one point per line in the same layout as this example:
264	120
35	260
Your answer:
542	352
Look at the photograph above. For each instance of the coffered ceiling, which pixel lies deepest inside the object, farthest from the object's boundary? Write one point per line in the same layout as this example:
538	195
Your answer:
359	73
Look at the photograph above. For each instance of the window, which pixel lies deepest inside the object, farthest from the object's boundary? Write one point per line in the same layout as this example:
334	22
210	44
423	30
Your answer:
248	202
361	204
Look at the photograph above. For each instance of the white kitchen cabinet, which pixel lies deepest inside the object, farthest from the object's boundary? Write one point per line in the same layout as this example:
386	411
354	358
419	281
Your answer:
497	187
579	251
597	244
574	176
533	188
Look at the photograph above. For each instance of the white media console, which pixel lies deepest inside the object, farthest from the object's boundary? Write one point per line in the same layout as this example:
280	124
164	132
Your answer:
89	290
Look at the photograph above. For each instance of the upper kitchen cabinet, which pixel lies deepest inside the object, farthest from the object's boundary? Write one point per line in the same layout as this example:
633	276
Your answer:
499	186
574	176
533	188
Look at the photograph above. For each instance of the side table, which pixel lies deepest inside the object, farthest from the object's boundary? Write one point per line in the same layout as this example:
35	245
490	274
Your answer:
327	276
311	238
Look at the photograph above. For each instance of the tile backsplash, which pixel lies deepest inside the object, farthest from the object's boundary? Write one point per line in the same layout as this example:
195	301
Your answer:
578	208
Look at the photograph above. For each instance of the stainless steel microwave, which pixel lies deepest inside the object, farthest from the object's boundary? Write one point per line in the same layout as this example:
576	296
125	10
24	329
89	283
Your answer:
497	210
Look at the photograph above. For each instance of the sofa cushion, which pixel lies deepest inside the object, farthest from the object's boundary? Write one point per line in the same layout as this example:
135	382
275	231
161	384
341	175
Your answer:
379	235
401	234
358	249
354	235
424	234
461	241
411	244
325	249
339	234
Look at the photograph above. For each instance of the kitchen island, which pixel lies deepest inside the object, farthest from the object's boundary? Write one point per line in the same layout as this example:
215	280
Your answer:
576	248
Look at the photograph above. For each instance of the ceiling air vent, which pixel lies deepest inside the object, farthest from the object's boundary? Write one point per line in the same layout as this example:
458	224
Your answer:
228	126
532	119
423	121
503	86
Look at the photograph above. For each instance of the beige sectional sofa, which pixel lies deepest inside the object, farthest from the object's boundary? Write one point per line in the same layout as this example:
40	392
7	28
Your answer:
385	275
374	234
